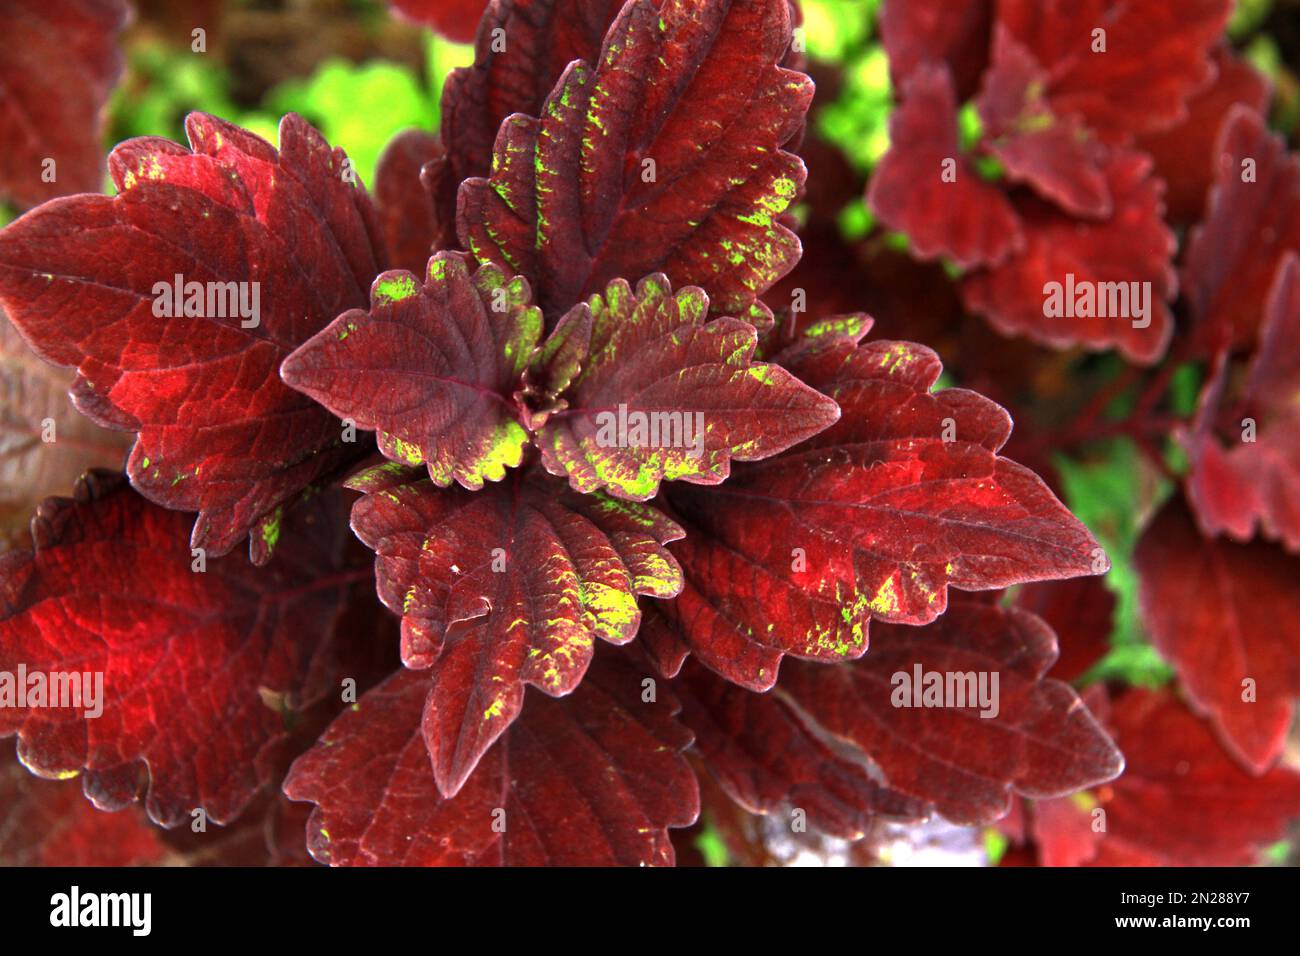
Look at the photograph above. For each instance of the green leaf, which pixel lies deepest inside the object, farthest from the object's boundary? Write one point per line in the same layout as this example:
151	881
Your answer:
835	30
358	107
1110	493
858	121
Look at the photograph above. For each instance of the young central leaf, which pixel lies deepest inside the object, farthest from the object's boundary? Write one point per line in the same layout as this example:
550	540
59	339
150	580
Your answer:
663	394
431	368
506	587
665	155
177	300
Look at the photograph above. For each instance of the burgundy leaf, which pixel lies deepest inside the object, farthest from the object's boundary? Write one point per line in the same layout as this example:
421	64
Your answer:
200	670
269	833
1256	483
542	37
1088	261
928	188
506	587
406	208
1227	617
1252	219
455	19
58	64
1055	155
1180	802
1274	378
1037	739
431	367
876	517
768	759
664	394
1081	612
629	171
1185	154
1156	56
954	33
218	431
1065	830
594	779
50	823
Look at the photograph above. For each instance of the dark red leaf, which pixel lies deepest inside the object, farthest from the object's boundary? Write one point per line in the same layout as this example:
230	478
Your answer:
594	779
542	37
954	33
1274	378
966	219
1063	829
651	359
406	208
1133	245
1038	740
1081	612
1185	154
629	172
218	431
506	587
1055	155
269	833
1180	802
876	517
455	19
1256	483
769	759
1157	56
50	823
432	367
905	297
58	64
1223	614
199	670
1252	219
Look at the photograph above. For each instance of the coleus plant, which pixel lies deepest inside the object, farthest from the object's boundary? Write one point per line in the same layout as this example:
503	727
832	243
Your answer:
1215	564
581	263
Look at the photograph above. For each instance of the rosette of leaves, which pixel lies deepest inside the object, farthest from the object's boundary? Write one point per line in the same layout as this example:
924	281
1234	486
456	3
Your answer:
614	239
